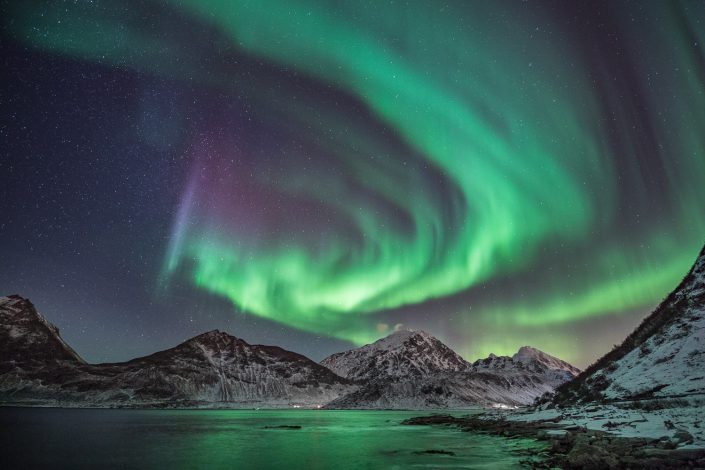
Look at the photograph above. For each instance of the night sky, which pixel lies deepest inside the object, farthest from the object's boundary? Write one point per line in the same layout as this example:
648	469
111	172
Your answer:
315	174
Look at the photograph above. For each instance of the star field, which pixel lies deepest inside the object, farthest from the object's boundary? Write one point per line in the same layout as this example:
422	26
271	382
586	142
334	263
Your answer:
313	174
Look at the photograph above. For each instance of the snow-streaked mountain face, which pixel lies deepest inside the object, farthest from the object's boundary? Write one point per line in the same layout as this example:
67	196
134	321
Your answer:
411	369
532	357
26	337
663	357
402	354
447	390
544	368
212	369
408	369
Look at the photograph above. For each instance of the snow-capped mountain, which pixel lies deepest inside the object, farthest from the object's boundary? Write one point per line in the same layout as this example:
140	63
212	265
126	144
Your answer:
529	361
534	358
408	369
211	369
403	354
662	357
216	367
412	369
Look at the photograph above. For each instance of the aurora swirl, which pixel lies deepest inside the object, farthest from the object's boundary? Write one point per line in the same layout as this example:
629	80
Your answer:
506	171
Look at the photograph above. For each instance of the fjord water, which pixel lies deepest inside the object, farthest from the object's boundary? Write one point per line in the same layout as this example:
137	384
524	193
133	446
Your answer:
80	438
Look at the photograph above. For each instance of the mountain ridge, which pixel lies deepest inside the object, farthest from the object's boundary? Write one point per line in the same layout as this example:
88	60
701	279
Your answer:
402	353
393	376
407	369
18	319
659	358
213	368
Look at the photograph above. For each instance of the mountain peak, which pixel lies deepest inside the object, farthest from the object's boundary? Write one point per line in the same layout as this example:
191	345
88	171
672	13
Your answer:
214	334
528	354
403	353
25	335
399	337
216	339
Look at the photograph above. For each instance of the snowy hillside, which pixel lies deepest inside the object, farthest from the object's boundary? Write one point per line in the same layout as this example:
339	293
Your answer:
663	357
447	390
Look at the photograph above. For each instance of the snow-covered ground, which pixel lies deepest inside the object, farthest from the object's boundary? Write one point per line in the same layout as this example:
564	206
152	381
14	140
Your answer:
662	358
673	367
669	363
629	419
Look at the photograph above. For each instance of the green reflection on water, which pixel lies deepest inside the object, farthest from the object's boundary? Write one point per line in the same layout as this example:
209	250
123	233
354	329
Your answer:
238	439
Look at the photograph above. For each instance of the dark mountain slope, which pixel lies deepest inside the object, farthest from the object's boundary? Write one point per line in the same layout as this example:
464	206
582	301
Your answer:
662	357
212	369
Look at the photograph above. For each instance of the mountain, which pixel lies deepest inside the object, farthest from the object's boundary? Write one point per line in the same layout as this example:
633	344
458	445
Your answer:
26	337
408	369
405	353
536	360
529	361
216	367
662	357
212	369
412	369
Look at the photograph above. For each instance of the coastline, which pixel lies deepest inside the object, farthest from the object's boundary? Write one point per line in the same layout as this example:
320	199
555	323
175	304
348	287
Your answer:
575	446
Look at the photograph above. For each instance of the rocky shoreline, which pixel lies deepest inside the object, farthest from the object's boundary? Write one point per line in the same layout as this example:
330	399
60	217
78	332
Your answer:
578	447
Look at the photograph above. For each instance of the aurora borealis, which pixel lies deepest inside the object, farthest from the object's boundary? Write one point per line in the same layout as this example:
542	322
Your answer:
497	173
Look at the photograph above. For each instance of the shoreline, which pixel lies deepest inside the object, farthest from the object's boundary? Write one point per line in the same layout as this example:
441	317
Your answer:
574	446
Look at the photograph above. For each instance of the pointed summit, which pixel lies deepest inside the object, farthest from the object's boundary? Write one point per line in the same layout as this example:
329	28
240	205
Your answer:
412	369
215	338
404	353
528	355
26	337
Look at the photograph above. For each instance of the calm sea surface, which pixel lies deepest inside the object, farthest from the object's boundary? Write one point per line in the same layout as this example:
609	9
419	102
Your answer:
238	439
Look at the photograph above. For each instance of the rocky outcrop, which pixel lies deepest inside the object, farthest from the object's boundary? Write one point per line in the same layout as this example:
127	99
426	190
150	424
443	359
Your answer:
578	447
408	369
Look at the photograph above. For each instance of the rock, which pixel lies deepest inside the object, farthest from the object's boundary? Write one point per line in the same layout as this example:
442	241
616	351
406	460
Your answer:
654	452
433	419
629	461
667	444
683	437
590	456
583	448
434	451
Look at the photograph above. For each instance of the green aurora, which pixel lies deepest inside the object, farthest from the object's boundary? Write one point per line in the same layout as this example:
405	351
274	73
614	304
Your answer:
489	146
